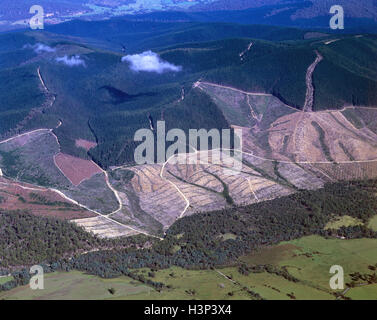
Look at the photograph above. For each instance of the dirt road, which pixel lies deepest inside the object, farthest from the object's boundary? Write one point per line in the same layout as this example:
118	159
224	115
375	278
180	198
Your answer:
309	98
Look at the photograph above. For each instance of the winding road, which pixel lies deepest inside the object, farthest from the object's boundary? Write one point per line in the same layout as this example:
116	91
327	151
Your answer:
174	185
41	79
198	83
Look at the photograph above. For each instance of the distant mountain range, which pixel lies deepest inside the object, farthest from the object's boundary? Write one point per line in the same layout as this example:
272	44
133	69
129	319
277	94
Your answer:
309	9
301	13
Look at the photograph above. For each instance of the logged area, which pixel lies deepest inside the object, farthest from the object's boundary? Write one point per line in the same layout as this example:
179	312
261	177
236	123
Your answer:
75	169
87	145
38	201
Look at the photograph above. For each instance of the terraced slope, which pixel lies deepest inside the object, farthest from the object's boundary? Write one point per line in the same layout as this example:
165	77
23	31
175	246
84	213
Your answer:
280	132
284	150
155	196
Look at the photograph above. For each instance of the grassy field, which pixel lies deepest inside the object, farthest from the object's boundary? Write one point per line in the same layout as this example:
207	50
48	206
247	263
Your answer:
5	279
212	284
228	236
343	221
373	223
363	293
183	285
348	221
77	285
309	259
274	287
188	284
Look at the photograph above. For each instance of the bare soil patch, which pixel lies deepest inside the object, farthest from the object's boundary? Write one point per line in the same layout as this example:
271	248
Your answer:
75	169
87	145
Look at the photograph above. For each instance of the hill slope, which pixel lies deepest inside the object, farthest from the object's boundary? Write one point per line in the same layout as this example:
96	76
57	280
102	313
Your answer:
306	109
104	93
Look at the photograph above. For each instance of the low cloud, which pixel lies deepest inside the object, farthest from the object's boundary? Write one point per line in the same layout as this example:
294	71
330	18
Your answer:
39	48
150	62
72	61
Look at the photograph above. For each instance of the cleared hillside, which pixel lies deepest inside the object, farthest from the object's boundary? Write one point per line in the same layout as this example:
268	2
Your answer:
104	94
258	86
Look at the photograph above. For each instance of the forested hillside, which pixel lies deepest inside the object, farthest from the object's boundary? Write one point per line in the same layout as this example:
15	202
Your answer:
137	36
197	242
192	242
26	239
110	101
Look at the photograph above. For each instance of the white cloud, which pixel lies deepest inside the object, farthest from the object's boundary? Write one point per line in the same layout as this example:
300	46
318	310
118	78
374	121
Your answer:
72	61
150	62
39	48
